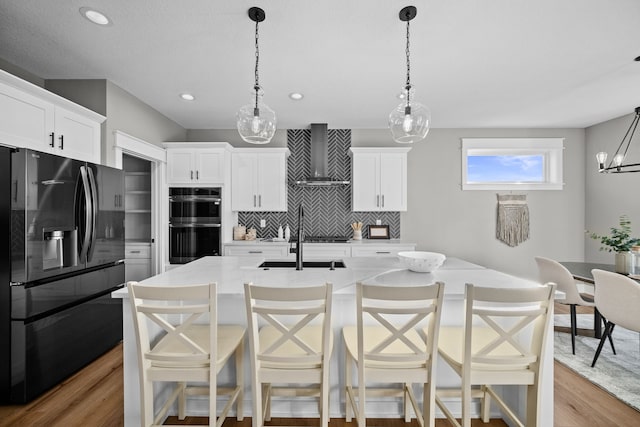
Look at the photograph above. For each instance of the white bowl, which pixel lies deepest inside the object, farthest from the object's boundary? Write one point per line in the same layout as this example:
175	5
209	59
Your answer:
421	262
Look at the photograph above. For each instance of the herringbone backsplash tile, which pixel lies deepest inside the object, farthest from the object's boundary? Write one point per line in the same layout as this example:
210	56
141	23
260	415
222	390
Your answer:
327	209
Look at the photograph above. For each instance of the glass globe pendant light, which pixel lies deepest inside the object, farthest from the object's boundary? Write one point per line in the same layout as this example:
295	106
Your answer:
256	122
409	122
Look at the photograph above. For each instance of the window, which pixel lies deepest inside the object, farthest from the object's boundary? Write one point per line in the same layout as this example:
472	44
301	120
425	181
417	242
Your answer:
512	163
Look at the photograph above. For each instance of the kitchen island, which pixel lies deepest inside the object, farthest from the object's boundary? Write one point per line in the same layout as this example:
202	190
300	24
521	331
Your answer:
231	273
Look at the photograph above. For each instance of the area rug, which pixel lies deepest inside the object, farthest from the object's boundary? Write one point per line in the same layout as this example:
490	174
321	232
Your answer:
618	374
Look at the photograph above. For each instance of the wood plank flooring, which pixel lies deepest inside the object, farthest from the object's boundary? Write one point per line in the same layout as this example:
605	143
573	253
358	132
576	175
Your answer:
93	397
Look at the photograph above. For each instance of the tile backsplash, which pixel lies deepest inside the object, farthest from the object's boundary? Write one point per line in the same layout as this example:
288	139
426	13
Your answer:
327	209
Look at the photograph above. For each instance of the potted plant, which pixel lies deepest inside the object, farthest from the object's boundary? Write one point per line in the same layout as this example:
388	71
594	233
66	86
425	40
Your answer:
620	242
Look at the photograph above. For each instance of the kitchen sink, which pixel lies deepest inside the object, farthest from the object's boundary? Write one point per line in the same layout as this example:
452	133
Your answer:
305	264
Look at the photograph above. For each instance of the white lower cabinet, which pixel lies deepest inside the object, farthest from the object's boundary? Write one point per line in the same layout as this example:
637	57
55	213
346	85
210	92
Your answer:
325	251
389	250
330	252
137	263
264	250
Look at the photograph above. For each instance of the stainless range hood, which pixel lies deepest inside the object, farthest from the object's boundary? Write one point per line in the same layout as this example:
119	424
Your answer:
319	159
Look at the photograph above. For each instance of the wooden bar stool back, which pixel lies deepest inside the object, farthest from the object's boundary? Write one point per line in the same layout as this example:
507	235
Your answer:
290	353
501	343
395	341
179	341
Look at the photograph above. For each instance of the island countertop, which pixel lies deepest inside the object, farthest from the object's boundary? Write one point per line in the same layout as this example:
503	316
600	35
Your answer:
230	273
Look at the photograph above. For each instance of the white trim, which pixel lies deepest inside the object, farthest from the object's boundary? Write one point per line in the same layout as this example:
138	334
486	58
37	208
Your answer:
136	146
550	149
130	145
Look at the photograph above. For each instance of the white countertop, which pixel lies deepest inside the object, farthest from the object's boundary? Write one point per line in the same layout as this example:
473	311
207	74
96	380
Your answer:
232	272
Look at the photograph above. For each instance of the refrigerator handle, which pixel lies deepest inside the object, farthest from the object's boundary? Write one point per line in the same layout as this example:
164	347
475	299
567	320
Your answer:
87	214
94	213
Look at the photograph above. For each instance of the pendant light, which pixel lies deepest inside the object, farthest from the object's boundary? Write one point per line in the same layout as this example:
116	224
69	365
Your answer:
409	122
616	165
256	122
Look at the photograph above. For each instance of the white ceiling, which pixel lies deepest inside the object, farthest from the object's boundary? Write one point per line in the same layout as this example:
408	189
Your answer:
475	63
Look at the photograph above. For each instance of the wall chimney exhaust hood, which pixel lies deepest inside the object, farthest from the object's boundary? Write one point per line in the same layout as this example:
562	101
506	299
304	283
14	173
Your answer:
319	159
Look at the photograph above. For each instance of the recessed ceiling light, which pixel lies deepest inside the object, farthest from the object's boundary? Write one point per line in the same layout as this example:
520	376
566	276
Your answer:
296	96
187	96
95	16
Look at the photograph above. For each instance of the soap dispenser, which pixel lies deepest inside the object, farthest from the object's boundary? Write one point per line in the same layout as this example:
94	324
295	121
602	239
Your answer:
280	233
287	233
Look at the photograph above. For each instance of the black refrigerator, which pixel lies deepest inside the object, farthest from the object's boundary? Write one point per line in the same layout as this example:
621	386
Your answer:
62	254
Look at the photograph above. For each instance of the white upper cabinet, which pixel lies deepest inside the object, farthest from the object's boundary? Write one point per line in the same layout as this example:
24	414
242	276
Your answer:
196	163
259	179
35	118
75	136
379	179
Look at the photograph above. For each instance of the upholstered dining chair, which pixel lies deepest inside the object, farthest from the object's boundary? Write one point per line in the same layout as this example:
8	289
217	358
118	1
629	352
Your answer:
551	271
618	299
501	343
290	353
172	347
395	341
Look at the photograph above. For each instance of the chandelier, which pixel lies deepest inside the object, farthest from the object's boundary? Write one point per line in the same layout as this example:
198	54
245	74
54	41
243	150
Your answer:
256	122
409	122
617	165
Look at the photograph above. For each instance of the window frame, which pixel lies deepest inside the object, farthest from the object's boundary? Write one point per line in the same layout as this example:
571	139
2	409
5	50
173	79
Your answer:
550	149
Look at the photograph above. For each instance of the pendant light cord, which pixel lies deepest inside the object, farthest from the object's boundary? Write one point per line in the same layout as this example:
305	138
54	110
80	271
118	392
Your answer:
256	86
408	86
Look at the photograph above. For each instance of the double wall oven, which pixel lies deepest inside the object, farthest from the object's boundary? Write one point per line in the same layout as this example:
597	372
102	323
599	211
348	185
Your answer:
194	223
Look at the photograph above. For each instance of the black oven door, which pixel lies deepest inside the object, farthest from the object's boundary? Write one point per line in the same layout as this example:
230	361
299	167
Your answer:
188	242
191	205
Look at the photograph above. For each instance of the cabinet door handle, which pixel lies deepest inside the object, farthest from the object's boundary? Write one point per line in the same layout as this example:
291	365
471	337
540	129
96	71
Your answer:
255	252
53	137
61	137
383	200
254	200
383	252
378	200
197	174
192	175
115	200
134	252
260	200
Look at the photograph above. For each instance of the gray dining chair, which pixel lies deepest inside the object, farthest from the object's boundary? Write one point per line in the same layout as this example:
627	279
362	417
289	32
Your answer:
618	298
554	272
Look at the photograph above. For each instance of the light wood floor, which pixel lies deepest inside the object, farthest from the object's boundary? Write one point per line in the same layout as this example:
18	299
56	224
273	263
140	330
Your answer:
93	397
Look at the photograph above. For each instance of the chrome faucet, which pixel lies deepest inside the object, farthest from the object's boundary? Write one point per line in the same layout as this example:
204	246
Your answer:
300	238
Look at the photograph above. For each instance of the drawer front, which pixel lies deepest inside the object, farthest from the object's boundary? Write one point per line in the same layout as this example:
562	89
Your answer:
137	251
265	251
326	252
380	251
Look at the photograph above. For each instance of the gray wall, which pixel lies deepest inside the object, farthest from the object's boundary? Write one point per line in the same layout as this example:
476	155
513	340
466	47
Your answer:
21	72
124	112
443	218
91	94
232	137
609	195
128	114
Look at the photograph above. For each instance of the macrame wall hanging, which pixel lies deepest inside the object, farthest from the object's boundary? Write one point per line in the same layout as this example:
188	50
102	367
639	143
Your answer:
512	226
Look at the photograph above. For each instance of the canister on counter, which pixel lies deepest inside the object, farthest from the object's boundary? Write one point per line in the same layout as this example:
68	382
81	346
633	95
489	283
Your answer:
239	232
